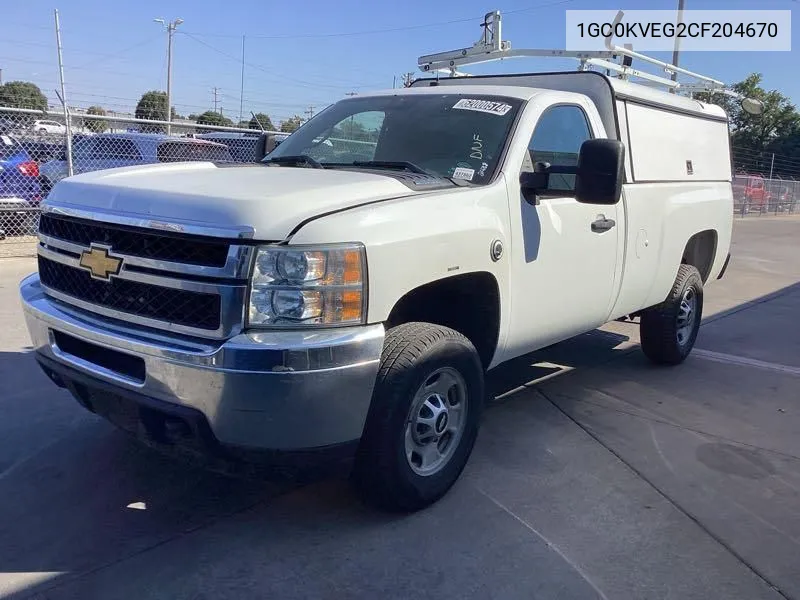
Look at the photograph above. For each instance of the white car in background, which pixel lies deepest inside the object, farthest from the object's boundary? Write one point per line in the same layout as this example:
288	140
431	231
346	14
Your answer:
42	126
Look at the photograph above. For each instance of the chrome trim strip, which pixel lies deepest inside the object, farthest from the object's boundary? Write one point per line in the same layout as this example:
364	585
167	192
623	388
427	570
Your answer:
130	331
159	280
174	226
237	264
301	351
231	318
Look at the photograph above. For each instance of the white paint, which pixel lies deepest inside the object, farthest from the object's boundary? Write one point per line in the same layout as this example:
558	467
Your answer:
661	142
743	361
137	506
557	277
20	581
273	200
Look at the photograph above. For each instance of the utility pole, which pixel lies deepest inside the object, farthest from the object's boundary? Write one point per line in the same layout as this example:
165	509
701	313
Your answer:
241	89
63	95
407	78
1	76
170	27
676	51
310	112
216	89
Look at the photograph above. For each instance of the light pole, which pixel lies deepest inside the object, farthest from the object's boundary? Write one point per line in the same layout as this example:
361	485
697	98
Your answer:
170	27
676	51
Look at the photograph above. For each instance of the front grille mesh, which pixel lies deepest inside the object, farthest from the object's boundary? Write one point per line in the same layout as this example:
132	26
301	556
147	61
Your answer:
182	307
136	242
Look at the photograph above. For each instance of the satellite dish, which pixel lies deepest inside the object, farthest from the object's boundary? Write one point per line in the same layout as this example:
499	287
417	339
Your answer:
752	106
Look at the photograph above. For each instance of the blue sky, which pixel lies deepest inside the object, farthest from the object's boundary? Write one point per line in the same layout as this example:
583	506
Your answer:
299	54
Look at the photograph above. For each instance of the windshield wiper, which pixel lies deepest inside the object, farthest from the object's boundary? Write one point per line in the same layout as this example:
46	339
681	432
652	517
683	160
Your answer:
296	160
393	164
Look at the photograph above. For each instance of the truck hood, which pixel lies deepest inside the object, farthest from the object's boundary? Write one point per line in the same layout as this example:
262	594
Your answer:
270	200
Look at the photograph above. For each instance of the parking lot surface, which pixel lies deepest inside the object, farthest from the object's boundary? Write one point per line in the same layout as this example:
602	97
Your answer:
595	475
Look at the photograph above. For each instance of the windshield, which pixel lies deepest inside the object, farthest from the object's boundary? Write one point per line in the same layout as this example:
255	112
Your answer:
9	147
449	135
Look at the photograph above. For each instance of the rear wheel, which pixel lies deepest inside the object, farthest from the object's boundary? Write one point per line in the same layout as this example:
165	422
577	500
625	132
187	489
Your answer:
423	420
668	331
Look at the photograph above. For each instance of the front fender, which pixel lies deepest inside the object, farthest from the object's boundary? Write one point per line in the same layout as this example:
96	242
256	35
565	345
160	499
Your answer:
415	240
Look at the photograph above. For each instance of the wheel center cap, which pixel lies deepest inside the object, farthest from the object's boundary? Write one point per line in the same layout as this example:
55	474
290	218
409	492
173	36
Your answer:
441	423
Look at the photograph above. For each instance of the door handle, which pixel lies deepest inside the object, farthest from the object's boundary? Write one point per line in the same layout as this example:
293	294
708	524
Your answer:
602	224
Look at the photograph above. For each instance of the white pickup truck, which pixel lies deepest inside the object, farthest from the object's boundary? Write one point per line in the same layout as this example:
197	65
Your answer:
344	298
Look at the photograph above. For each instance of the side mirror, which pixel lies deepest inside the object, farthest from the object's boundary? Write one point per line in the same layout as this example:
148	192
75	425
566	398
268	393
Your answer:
266	143
601	171
533	182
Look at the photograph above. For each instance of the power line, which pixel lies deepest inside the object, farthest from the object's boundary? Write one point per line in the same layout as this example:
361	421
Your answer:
282	78
387	30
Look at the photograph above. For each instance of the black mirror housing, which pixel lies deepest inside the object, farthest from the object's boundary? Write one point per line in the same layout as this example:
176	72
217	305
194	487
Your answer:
266	143
533	182
601	172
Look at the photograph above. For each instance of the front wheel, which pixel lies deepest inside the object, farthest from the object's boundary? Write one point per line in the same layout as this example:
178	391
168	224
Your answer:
668	331
424	417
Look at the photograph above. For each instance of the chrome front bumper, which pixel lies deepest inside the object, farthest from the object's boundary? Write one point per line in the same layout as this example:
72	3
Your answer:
281	391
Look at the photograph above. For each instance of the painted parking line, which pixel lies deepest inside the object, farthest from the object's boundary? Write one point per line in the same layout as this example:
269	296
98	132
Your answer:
745	362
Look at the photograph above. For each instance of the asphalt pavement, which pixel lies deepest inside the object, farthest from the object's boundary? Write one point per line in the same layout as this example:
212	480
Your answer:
596	475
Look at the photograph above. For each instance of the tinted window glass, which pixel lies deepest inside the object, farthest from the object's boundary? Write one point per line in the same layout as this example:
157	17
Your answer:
557	139
9	147
122	149
353	138
192	151
450	135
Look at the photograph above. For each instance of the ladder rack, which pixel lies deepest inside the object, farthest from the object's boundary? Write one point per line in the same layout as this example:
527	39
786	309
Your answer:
491	47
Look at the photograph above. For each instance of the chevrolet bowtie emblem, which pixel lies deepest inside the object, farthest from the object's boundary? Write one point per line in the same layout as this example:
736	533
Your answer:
98	262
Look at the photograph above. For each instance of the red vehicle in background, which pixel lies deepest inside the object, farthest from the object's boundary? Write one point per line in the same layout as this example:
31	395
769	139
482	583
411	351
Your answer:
750	192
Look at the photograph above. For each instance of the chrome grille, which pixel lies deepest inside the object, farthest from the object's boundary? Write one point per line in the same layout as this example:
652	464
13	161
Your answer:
136	241
182	283
191	309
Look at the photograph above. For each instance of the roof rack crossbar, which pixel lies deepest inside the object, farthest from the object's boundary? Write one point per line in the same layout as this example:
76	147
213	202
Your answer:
491	47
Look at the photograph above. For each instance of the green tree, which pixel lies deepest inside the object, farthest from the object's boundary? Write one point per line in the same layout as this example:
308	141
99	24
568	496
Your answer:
755	138
289	125
22	94
152	106
214	118
756	133
261	121
95	125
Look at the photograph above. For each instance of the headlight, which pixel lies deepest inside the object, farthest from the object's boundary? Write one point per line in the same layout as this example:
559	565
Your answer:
294	286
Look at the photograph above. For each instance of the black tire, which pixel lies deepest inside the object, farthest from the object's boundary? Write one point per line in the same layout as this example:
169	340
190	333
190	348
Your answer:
659	327
412	354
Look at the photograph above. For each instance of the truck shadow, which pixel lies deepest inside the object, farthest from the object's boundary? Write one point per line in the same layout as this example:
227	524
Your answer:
83	496
81	493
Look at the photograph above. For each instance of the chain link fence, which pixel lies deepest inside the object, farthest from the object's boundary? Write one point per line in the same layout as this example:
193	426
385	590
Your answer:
35	155
754	194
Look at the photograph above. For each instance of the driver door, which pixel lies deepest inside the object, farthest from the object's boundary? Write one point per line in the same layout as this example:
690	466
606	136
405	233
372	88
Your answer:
564	263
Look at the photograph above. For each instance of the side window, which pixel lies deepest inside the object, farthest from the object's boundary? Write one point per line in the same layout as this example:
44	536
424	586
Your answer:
82	149
557	140
125	150
354	138
100	149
